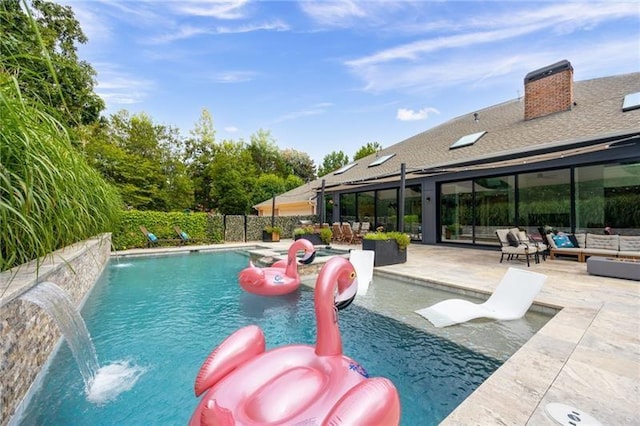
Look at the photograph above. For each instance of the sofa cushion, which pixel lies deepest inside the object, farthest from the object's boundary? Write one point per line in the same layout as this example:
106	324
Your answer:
513	240
606	242
562	241
581	237
630	243
574	241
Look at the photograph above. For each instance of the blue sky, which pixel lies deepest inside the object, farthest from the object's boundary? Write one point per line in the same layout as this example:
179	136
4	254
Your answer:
333	76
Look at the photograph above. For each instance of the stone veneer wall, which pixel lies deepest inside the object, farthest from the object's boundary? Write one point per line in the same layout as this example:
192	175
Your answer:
27	334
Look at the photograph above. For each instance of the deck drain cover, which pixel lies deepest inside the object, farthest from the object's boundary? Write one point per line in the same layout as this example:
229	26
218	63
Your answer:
569	416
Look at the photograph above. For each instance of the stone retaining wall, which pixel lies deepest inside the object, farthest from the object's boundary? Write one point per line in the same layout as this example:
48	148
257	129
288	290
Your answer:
27	334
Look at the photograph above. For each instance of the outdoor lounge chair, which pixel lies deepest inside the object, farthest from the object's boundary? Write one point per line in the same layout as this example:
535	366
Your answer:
510	300
515	248
184	237
337	232
152	239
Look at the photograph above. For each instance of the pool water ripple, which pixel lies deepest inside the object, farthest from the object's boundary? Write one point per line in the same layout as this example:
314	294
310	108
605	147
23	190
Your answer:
165	315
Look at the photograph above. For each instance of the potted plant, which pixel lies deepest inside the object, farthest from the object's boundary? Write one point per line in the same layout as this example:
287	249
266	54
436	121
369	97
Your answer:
308	233
326	235
452	231
271	234
389	247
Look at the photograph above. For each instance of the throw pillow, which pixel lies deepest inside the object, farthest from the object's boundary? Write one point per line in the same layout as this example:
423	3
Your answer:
184	235
574	241
153	237
562	241
513	241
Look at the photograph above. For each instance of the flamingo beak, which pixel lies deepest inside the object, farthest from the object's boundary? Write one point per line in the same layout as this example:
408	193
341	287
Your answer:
308	258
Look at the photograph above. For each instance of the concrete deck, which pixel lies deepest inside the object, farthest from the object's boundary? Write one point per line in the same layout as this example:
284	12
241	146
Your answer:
587	356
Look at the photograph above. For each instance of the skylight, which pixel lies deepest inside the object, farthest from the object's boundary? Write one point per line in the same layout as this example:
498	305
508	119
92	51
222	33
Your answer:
344	169
467	140
631	101
381	160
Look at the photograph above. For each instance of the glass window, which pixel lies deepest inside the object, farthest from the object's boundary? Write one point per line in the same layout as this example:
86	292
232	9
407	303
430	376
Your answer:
495	207
347	207
413	212
544	199
387	209
608	195
366	207
456	211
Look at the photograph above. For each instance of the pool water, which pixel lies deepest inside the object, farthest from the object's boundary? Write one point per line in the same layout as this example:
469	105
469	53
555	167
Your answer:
164	315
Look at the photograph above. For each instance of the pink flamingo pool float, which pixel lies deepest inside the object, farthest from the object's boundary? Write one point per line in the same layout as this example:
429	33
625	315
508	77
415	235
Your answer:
281	277
295	384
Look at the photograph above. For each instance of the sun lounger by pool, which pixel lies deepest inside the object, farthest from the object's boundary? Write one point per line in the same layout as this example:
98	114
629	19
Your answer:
511	300
362	261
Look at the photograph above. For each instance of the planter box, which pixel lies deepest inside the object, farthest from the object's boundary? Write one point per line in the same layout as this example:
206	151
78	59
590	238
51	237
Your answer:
387	252
314	238
269	237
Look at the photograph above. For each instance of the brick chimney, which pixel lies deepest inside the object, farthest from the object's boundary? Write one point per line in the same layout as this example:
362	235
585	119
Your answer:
548	90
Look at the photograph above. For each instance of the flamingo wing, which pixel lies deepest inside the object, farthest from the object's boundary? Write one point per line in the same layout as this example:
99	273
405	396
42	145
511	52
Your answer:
235	350
372	402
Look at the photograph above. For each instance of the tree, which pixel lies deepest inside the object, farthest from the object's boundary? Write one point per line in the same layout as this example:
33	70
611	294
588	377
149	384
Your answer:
233	177
266	186
41	53
200	149
299	164
332	162
368	149
265	154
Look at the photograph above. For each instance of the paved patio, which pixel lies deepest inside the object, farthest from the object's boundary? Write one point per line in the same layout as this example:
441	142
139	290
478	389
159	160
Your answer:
587	356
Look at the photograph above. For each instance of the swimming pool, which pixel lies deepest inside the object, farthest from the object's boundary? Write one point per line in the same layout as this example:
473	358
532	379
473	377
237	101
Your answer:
165	314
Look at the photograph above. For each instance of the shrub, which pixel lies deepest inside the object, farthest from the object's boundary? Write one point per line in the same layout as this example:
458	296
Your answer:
403	240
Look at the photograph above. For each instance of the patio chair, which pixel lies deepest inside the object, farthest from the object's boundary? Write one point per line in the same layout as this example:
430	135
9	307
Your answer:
152	239
337	232
348	236
183	236
524	237
364	228
510	300
515	248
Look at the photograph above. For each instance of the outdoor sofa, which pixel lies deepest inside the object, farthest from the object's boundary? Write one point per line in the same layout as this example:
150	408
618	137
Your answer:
582	245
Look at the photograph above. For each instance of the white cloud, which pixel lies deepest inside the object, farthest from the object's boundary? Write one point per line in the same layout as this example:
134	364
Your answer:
220	9
117	87
332	12
411	115
231	129
234	77
316	109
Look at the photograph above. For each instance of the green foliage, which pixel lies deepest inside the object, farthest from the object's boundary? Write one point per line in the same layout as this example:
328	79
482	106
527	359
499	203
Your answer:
49	196
39	46
200	149
299	164
273	230
303	230
232	173
332	162
326	235
127	233
403	240
368	149
265	154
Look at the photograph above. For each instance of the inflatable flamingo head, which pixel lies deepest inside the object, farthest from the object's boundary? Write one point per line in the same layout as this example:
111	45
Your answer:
305	245
336	287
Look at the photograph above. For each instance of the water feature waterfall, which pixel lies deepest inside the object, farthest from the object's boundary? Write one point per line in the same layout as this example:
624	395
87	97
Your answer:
57	304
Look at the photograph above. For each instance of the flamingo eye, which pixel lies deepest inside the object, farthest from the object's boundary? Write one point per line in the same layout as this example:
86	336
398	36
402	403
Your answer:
352	275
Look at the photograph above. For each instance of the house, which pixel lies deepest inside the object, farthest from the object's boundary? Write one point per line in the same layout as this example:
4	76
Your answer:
567	155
